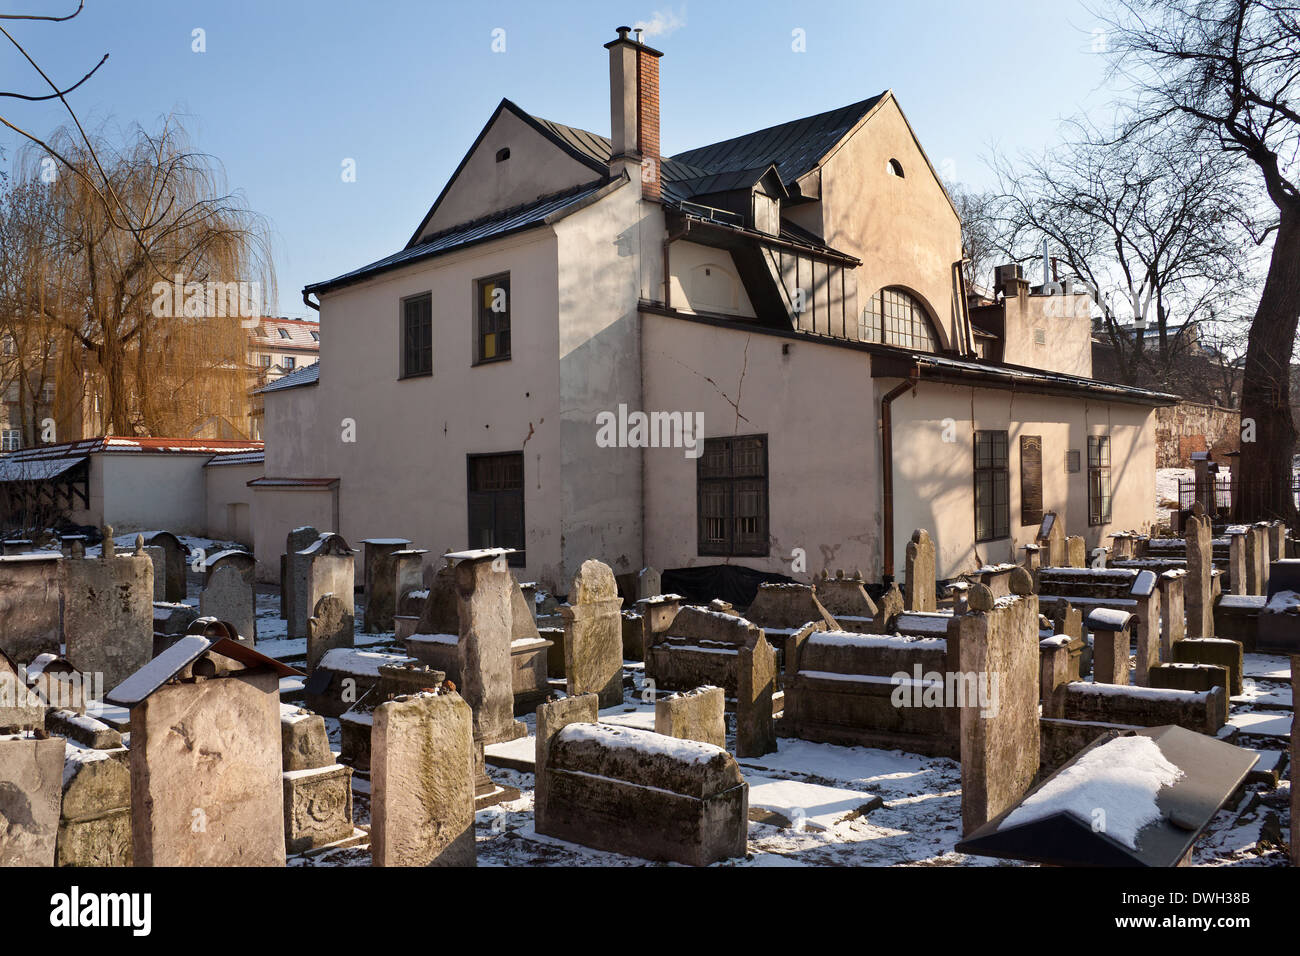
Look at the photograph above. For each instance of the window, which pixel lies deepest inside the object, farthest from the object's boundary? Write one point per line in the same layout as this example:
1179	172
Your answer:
893	317
265	360
290	364
1098	479
503	154
492	336
1031	479
315	336
417	335
496	503
1072	461
731	489
284	333
895	168
992	487
11	440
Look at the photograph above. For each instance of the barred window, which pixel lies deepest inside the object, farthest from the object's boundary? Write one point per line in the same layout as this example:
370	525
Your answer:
893	317
992	486
731	479
496	503
1099	496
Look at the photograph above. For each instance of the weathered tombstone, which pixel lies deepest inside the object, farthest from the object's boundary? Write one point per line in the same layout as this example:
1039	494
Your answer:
756	683
551	718
1067	621
1237	535
380	579
228	598
1054	669
1173	616
1051	535
888	607
440	614
174	555
485	600
294	541
422	782
108	612
1218	652
698	714
1033	557
206	755
999	729
593	635
240	560
1197	595
95	820
918	587
331	626
159	559
29	605
1124	547
1148	630
1076	552
649	583
1111	635
31	797
408	575
1256	560
326	566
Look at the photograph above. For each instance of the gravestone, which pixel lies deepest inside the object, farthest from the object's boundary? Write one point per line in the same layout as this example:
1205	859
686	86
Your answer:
1173	614
1197	596
158	557
1076	552
228	598
756	683
294	541
485	600
408	575
240	560
999	730
593	635
1051	535
95	820
888	608
326	566
440	614
1111	635
31	796
1033	557
108	612
380	579
174	555
422	782
698	714
918	581
331	626
1147	631
1256	560
30	588
551	718
649	583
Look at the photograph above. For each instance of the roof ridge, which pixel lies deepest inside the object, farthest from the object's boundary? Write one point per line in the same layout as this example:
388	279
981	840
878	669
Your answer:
510	210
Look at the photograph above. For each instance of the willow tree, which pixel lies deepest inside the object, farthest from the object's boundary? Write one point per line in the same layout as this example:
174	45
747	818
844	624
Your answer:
161	272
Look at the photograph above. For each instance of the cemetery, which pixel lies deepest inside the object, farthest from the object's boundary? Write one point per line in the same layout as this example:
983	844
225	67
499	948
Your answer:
398	707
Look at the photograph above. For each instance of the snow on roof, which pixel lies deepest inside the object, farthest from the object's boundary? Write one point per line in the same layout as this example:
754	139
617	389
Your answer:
1120	779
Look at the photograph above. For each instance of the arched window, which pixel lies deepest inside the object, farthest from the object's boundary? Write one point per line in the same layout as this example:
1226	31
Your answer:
894	317
896	168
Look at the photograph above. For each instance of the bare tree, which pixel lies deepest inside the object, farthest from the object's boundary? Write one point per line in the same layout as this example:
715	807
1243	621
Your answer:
980	237
1229	70
1152	227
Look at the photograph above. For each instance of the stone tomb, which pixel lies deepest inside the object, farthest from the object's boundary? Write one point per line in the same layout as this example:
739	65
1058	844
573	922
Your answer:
108	612
227	597
687	647
29	605
636	792
846	599
317	790
206	787
380	575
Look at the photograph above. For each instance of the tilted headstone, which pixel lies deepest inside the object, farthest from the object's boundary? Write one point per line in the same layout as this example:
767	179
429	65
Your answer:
755	725
380	581
331	626
889	607
108	612
698	714
593	635
1197	597
1173	614
551	718
918	581
999	727
422	782
228	598
95	820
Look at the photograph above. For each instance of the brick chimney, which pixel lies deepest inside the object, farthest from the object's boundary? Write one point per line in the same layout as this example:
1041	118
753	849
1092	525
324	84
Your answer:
634	111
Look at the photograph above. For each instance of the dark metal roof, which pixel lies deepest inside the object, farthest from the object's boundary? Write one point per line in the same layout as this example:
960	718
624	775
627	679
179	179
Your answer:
516	219
942	366
307	375
794	147
599	149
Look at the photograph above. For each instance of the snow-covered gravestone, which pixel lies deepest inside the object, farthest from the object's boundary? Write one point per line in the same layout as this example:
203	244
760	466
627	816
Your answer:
593	635
1148	631
228	598
1111	630
918	592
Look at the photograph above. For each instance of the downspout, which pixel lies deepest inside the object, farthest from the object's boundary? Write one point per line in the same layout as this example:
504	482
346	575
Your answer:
887	466
308	302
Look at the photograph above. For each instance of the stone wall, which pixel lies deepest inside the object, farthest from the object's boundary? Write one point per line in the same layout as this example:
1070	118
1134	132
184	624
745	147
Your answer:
1189	426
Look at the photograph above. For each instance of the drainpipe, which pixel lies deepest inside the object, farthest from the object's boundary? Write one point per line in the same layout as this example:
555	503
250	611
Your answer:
887	466
308	301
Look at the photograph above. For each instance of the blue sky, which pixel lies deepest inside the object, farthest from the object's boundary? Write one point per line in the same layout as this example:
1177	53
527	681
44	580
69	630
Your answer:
288	89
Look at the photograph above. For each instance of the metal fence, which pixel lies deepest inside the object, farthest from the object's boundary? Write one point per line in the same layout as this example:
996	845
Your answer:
1219	497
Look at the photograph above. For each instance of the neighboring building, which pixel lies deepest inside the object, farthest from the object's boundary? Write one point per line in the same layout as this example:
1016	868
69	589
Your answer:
278	347
133	484
799	287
